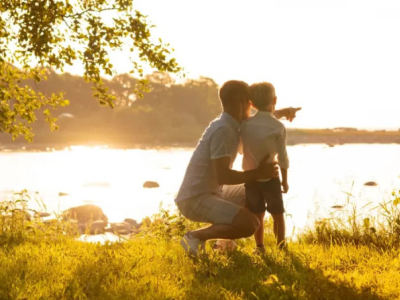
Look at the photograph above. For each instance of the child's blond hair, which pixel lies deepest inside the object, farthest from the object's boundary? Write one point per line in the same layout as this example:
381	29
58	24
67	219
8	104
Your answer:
262	94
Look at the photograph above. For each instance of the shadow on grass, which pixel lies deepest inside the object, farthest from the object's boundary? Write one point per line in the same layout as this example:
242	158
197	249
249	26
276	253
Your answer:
241	275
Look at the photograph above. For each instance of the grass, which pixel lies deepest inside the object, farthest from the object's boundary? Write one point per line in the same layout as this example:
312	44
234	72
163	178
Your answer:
39	262
372	226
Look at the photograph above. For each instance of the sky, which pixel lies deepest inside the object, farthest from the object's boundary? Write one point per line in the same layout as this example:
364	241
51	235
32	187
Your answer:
339	60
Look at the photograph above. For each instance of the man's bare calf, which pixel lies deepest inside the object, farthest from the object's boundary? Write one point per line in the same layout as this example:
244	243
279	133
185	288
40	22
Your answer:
244	224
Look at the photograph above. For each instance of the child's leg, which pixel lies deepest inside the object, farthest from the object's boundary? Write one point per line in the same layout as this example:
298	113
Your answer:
279	229
259	234
255	203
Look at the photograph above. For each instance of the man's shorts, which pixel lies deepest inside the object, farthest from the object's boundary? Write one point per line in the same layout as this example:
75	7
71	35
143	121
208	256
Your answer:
213	208
265	196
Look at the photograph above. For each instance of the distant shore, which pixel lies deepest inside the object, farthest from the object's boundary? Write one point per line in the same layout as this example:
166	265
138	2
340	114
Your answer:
54	141
342	136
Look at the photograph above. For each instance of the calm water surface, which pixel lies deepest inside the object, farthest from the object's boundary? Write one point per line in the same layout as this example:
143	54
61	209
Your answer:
319	178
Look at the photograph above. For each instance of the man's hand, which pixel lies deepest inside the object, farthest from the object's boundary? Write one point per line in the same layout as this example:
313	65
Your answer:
225	175
267	169
285	187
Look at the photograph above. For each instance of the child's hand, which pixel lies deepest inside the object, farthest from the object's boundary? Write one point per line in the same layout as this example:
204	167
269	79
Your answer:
291	113
285	187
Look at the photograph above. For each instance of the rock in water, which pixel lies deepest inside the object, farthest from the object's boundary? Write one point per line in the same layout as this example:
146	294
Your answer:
151	184
337	206
133	222
41	214
85	214
120	228
370	183
97	227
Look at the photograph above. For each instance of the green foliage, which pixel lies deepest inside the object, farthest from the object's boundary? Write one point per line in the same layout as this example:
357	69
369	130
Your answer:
168	225
37	34
14	220
18	103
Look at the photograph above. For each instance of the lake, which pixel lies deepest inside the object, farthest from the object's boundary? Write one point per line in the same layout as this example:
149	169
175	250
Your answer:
319	177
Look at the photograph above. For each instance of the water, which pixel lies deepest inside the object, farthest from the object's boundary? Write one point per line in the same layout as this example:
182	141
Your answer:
319	178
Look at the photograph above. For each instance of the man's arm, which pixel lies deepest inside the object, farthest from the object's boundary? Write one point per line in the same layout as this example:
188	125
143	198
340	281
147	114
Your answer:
225	175
289	113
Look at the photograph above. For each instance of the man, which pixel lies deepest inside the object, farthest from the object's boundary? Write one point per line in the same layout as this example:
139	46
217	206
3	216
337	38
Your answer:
201	197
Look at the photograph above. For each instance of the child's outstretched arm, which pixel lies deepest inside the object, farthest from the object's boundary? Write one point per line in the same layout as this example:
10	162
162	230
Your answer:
289	113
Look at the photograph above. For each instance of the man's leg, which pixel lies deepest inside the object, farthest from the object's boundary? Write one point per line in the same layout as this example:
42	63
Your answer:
244	224
234	194
279	229
229	220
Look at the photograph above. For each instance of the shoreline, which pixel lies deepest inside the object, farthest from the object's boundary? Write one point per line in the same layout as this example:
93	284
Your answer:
44	147
59	140
41	147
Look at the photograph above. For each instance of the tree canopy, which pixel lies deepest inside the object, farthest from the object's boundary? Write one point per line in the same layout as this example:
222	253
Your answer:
36	35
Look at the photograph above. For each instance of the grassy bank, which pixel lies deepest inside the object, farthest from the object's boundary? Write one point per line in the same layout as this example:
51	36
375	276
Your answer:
330	262
153	268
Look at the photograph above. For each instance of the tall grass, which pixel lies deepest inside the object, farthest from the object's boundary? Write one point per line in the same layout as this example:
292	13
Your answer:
374	226
19	224
337	262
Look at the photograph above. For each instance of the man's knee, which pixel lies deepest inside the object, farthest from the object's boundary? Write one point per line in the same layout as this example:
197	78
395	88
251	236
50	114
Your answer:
246	222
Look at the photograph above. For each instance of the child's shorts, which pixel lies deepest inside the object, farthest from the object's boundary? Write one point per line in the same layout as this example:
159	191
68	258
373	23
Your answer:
265	196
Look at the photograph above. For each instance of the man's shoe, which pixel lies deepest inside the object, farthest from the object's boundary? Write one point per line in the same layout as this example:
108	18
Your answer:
192	245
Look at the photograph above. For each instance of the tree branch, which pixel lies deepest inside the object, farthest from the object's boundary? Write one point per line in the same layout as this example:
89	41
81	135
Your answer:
66	23
89	10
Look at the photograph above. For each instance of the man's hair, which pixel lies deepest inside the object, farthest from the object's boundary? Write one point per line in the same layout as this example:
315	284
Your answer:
232	90
262	94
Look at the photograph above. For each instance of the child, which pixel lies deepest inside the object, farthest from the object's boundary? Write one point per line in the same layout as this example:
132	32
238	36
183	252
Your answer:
263	134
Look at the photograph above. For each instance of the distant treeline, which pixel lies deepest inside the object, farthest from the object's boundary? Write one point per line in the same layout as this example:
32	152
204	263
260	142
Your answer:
171	114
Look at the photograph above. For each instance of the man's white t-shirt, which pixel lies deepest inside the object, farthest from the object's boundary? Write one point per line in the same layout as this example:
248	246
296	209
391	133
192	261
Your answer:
220	139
